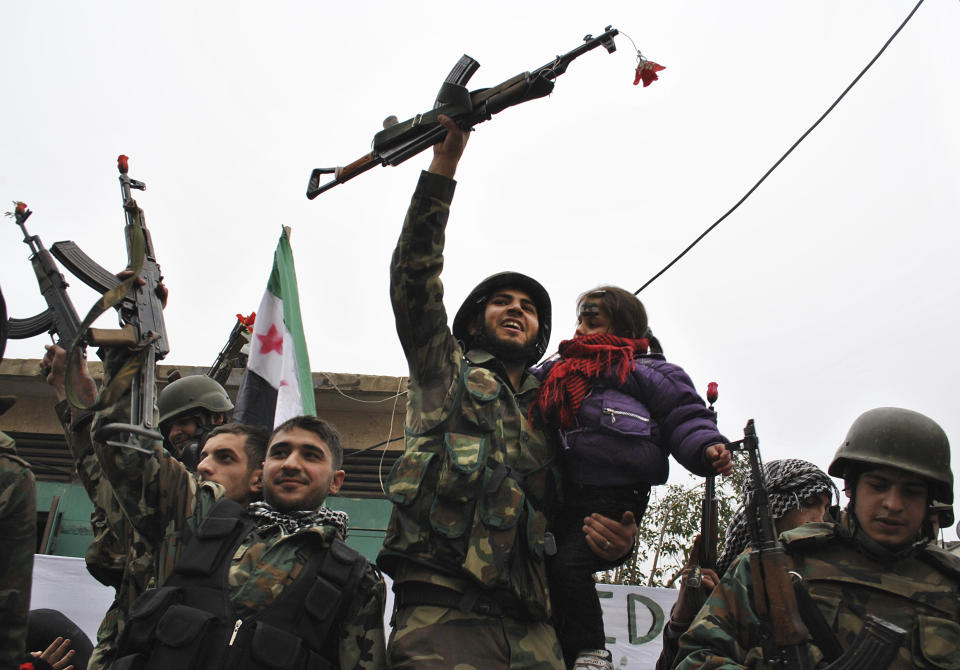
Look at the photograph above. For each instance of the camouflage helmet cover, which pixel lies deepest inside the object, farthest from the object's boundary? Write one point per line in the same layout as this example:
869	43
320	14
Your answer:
477	299
192	393
899	438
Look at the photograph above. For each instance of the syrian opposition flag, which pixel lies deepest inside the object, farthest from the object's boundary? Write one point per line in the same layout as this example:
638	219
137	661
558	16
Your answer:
277	384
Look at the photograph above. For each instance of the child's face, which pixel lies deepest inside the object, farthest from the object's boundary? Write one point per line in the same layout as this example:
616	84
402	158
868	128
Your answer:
592	319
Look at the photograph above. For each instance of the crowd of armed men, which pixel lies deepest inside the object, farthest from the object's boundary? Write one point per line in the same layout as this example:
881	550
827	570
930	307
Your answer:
518	482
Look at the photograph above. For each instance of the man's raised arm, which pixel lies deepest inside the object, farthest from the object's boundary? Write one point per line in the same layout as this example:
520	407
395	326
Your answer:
415	287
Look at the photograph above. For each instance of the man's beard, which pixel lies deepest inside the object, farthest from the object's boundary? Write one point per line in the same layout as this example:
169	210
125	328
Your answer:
505	350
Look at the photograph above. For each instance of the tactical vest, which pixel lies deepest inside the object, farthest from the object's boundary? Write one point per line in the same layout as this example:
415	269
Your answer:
920	594
466	506
190	622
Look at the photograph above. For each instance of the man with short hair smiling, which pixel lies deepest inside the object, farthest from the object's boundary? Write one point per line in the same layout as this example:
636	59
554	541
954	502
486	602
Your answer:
232	456
269	584
877	560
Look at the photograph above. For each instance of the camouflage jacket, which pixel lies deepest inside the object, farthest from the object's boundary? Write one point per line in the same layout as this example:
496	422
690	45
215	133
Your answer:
117	555
18	539
476	483
920	594
164	503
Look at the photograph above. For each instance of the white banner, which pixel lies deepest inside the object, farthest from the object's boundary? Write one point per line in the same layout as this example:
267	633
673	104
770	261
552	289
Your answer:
63	583
633	616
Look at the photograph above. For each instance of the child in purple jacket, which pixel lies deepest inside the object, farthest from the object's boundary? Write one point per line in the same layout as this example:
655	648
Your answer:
619	411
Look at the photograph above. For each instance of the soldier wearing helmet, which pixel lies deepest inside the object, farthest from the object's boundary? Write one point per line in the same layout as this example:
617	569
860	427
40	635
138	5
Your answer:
477	484
189	408
877	559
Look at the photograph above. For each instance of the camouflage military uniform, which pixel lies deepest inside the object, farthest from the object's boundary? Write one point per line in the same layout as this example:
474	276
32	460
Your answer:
162	500
18	539
474	487
117	556
919	593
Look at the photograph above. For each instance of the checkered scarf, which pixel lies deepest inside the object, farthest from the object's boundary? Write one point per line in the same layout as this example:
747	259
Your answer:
582	361
788	482
292	522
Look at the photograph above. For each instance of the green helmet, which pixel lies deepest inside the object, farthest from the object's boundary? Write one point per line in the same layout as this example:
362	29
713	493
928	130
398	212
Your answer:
899	438
195	392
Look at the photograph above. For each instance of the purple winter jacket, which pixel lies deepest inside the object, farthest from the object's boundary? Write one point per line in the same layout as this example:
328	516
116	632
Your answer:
624	434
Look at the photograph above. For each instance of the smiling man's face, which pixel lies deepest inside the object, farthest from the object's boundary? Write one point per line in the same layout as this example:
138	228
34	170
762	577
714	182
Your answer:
891	505
510	319
298	472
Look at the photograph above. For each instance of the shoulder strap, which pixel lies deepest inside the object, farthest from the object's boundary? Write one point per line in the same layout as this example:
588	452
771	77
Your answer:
819	629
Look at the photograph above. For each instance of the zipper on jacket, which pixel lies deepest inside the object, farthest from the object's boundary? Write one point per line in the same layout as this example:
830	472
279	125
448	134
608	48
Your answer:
236	629
619	412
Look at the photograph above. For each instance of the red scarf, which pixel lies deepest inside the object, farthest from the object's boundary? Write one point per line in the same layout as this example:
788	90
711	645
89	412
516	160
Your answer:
582	361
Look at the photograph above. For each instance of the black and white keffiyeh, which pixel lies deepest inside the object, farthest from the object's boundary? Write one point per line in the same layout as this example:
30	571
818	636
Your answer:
291	522
789	482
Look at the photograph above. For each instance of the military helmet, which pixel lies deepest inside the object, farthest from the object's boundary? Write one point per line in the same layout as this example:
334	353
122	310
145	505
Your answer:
192	393
898	438
478	297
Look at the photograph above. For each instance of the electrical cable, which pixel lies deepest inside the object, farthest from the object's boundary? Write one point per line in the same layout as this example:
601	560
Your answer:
784	156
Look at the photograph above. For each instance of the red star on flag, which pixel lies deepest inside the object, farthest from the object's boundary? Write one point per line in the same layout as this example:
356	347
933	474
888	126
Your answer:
272	341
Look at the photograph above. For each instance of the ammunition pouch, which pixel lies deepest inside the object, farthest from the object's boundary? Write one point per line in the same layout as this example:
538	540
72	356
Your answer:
190	623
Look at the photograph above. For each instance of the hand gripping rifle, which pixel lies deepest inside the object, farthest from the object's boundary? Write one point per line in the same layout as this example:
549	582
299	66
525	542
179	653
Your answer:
60	316
399	141
140	309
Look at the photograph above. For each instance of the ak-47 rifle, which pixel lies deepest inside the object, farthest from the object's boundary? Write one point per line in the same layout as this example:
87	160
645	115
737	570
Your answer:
232	355
784	635
140	307
60	316
399	141
705	551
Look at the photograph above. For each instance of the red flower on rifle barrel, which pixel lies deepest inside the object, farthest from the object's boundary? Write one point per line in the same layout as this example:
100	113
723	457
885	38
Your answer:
21	207
122	161
712	393
247	321
647	72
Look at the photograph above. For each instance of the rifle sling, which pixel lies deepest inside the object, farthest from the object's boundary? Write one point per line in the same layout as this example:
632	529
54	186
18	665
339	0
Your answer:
819	629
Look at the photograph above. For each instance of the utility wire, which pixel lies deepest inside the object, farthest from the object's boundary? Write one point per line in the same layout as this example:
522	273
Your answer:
784	156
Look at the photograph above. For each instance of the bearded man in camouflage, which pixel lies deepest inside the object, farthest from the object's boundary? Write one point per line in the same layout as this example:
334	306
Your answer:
477	483
877	560
268	585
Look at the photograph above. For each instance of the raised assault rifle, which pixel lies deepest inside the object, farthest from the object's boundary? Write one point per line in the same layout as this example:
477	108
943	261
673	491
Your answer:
60	316
143	329
784	633
399	141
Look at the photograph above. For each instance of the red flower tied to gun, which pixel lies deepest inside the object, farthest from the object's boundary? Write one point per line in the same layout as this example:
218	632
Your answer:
646	71
712	393
247	321
122	161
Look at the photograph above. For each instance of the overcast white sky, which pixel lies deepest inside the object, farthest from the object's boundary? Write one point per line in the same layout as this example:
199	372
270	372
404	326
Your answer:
832	290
